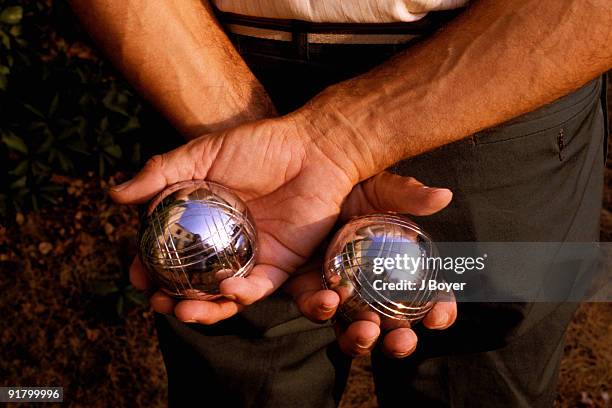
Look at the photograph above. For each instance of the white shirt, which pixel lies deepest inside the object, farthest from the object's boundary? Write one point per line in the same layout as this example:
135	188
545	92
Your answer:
338	11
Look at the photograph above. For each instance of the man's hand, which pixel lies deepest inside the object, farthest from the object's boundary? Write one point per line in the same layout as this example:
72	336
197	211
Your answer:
384	192
293	189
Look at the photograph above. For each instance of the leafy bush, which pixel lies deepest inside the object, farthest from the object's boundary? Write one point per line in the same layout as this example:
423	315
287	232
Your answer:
66	116
62	109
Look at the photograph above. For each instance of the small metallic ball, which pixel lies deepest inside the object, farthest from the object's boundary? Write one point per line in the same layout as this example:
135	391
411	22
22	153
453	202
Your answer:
354	268
194	235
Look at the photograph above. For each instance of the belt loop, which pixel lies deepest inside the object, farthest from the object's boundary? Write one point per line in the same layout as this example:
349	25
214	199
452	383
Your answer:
300	39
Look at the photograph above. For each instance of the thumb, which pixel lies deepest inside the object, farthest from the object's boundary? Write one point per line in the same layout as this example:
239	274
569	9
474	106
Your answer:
159	172
405	195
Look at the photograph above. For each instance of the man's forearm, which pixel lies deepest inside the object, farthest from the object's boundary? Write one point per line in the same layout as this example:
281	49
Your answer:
177	55
495	62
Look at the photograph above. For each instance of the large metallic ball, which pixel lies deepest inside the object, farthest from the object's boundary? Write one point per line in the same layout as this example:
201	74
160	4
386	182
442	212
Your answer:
355	268
193	235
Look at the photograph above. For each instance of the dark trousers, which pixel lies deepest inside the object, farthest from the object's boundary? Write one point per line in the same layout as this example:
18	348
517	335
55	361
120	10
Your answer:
536	178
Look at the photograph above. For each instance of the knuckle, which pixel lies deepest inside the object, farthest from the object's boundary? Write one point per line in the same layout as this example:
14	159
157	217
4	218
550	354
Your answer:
304	304
155	163
306	311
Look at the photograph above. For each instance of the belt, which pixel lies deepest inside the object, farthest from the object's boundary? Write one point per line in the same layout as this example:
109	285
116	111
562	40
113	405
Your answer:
338	33
320	38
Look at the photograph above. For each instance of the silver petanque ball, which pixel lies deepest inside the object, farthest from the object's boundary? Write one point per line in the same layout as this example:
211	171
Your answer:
194	235
373	264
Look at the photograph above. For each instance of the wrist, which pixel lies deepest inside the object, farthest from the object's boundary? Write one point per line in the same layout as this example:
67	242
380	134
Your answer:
230	115
332	134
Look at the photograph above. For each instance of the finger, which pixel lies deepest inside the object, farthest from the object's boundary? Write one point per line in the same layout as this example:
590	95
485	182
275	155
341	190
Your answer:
306	278
359	338
400	343
205	312
138	275
306	288
441	316
391	192
184	163
162	303
318	305
262	281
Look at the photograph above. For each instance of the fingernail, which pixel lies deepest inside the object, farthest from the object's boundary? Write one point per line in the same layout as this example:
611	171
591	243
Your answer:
231	297
365	343
190	321
121	186
441	320
405	353
326	308
433	190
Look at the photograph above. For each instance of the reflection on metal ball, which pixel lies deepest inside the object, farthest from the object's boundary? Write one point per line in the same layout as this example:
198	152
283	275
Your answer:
195	234
371	262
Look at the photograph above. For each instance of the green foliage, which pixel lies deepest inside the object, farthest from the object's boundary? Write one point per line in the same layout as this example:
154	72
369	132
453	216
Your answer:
11	15
122	295
61	112
65	112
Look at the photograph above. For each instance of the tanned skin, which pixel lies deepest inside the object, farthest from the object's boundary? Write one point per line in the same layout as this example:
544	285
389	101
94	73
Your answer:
493	63
180	59
177	55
